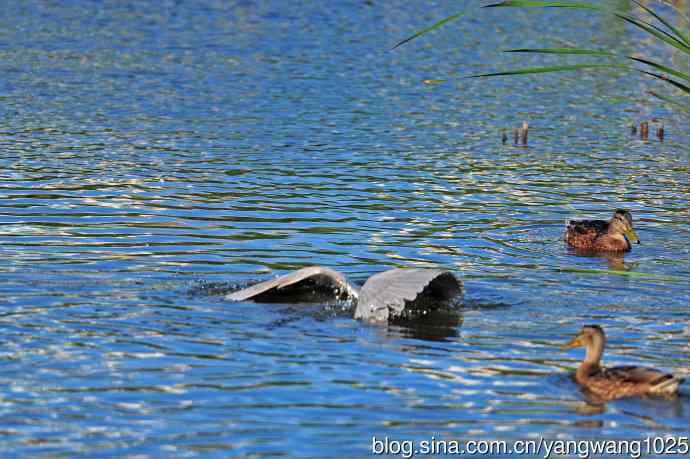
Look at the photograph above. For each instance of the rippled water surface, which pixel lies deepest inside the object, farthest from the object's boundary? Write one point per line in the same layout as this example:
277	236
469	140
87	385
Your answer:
156	155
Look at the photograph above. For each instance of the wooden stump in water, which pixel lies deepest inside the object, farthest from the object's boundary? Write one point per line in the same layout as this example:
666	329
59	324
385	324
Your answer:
525	126
644	130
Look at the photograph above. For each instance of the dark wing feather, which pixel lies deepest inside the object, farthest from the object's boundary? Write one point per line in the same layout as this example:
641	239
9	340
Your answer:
595	227
312	277
583	233
385	295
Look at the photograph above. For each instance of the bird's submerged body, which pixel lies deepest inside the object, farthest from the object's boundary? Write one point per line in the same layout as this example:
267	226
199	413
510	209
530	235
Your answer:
617	382
392	294
602	236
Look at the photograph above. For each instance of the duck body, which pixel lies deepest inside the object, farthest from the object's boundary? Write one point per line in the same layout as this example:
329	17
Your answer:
602	236
627	381
617	382
594	235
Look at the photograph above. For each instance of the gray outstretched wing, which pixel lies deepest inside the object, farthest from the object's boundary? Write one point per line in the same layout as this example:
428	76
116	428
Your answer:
307	284
386	295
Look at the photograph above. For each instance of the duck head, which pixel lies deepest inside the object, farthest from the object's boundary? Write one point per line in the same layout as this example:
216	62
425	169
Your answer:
592	338
622	223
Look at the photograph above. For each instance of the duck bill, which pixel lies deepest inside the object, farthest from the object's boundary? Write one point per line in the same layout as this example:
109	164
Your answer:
632	236
577	342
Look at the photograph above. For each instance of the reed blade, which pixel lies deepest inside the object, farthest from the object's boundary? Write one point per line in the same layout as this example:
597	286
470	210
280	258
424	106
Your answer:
663	68
434	26
665	78
680	35
655	31
582	51
543	4
670	101
551	69
679	41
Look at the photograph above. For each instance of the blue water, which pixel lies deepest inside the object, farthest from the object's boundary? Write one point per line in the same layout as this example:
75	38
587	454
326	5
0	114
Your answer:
156	155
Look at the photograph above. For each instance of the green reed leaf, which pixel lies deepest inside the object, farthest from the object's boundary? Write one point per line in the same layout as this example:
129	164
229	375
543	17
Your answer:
555	68
670	101
434	26
655	31
543	4
679	35
583	51
679	40
663	68
665	78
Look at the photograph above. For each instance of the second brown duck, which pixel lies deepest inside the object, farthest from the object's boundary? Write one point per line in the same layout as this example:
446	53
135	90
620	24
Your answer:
617	382
616	235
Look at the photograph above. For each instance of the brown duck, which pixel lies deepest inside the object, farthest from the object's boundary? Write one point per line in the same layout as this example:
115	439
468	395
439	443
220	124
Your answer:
602	236
617	382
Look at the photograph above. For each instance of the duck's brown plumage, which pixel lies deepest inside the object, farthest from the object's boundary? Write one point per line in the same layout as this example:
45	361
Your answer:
602	236
617	382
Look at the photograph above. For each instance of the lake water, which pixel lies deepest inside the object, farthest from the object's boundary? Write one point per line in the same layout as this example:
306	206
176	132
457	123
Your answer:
156	155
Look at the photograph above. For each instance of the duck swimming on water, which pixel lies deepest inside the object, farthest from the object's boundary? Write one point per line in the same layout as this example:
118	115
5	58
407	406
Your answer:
385	296
617	382
615	235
